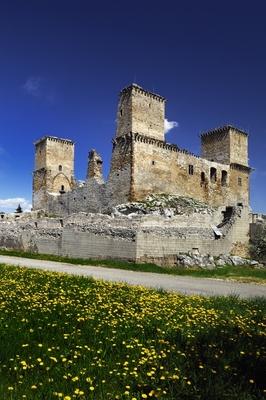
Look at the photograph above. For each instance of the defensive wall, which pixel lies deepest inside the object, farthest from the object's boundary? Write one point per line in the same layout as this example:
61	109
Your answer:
140	239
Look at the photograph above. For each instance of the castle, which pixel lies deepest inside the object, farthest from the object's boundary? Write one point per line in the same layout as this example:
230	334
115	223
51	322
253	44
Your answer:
142	163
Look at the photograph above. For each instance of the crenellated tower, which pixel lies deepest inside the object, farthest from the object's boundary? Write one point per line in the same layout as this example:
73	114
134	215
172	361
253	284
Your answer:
228	145
140	111
54	169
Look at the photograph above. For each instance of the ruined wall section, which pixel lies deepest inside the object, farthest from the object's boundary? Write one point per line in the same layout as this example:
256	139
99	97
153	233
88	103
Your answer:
118	188
150	239
90	198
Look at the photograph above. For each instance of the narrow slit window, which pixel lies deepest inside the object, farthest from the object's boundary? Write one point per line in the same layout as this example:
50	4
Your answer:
60	167
191	169
213	174
202	177
224	178
239	181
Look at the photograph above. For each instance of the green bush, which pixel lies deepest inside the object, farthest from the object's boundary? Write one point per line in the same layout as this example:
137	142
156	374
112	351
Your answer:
258	245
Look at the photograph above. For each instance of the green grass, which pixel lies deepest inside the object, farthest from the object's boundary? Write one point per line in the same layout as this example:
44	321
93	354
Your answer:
75	338
240	273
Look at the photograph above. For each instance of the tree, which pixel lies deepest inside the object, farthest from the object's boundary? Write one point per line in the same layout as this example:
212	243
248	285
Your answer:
258	245
19	209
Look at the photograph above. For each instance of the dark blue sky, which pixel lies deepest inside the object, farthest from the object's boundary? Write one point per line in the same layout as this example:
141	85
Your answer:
63	64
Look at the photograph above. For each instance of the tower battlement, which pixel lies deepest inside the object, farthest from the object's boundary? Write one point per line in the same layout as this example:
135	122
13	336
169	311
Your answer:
227	144
140	111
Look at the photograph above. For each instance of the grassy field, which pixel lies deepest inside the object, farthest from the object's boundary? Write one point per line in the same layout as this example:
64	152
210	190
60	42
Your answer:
240	273
66	337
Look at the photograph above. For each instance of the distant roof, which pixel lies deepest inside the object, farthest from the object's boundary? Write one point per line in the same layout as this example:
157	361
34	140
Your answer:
139	88
53	138
223	129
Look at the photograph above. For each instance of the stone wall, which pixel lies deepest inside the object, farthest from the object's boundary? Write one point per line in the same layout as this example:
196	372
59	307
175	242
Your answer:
162	168
142	239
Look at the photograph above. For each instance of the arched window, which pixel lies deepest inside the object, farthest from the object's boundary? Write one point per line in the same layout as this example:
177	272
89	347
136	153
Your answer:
213	174
60	167
202	177
224	178
62	187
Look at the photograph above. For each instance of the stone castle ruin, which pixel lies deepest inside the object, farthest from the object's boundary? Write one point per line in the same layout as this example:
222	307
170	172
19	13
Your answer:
159	200
142	163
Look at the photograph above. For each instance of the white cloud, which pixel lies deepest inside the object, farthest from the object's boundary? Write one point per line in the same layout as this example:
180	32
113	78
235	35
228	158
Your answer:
33	86
168	125
10	205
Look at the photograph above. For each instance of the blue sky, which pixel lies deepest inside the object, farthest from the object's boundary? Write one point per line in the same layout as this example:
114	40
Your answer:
63	64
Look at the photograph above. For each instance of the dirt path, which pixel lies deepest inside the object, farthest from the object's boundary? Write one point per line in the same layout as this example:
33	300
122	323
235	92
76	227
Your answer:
183	284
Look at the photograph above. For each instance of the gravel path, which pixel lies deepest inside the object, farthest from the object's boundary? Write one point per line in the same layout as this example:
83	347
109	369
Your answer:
183	284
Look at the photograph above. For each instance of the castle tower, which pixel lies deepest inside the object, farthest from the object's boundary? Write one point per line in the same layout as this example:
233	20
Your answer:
229	145
140	111
54	169
226	145
95	165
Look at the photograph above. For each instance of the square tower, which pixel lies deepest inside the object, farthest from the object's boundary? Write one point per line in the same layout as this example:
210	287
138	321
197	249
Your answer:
54	169
140	111
226	145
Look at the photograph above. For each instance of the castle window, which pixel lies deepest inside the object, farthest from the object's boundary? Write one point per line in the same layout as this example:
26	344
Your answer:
62	191
239	181
153	162
190	169
213	174
60	167
121	112
202	177
224	178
